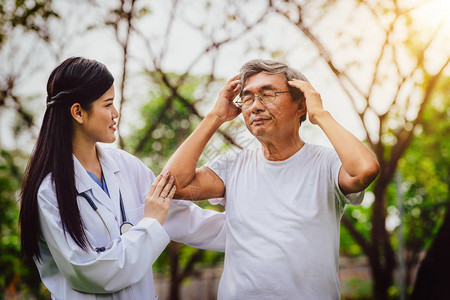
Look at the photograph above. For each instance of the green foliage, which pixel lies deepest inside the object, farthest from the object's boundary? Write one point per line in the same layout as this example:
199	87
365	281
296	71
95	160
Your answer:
358	288
426	172
9	243
361	215
14	271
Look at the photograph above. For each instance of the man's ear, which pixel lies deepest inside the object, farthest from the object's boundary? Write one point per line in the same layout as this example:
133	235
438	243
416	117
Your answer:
301	108
78	113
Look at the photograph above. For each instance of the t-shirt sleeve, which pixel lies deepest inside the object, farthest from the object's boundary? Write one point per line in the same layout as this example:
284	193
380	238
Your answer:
221	166
353	198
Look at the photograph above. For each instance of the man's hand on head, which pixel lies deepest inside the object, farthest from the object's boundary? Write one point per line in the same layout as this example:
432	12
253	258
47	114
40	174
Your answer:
225	109
314	104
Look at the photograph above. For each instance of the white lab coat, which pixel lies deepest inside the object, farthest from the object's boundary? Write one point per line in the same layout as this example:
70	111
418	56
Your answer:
125	270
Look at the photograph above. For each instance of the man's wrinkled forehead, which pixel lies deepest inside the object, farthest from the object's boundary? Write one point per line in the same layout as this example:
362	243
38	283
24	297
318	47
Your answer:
265	87
263	81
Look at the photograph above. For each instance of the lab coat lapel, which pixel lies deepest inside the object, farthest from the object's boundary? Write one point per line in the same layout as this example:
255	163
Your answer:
110	171
85	183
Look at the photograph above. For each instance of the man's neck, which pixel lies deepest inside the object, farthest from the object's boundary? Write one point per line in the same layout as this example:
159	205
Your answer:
281	149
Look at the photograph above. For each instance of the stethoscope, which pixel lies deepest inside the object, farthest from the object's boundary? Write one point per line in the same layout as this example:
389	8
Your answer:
124	227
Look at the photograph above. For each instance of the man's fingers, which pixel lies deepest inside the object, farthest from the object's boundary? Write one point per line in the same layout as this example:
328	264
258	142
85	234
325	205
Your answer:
232	87
303	86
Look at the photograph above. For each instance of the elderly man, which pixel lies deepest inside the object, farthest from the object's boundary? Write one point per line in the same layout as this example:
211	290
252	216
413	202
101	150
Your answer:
283	201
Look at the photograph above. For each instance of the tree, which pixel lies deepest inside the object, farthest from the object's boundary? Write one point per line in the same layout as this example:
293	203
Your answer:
432	280
30	18
429	158
20	16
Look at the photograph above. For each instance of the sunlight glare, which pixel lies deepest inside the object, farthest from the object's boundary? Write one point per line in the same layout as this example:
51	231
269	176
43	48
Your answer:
433	13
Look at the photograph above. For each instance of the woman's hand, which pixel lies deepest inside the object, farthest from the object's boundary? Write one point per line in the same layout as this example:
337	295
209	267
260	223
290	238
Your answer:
225	109
159	197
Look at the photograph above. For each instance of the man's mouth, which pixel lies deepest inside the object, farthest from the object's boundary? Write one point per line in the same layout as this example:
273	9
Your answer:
259	120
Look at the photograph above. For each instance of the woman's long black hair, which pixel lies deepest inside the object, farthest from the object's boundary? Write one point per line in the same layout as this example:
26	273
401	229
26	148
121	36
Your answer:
76	80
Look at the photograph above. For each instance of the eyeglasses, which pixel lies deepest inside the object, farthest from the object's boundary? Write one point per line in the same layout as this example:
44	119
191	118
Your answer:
267	97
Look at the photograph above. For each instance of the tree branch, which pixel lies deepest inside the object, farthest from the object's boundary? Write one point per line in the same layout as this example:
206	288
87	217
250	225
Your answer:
198	255
174	94
358	237
124	44
327	57
405	137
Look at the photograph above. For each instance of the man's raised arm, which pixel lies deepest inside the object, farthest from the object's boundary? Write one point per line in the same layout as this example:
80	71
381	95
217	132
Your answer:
202	183
359	165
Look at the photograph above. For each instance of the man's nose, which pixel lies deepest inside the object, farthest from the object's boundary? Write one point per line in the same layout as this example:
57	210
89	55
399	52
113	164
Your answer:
257	104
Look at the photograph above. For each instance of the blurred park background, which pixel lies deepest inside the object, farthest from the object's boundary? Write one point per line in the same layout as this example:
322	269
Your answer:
381	66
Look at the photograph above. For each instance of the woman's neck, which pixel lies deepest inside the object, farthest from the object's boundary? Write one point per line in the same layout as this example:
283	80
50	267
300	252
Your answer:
86	153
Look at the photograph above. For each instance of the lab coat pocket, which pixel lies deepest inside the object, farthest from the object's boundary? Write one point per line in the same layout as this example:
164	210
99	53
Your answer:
135	215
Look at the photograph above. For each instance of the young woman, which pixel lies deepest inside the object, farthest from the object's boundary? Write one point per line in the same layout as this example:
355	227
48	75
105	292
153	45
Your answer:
91	218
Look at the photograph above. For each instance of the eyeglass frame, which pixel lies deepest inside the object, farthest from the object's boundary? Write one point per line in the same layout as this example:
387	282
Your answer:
240	103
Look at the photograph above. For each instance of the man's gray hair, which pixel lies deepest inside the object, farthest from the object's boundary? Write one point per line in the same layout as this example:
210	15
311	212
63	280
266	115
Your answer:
256	66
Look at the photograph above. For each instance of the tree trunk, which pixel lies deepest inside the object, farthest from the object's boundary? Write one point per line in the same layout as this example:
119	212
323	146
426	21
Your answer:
381	255
174	251
176	273
433	278
382	274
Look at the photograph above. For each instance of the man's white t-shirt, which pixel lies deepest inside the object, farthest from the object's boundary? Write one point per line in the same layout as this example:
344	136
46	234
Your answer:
282	224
